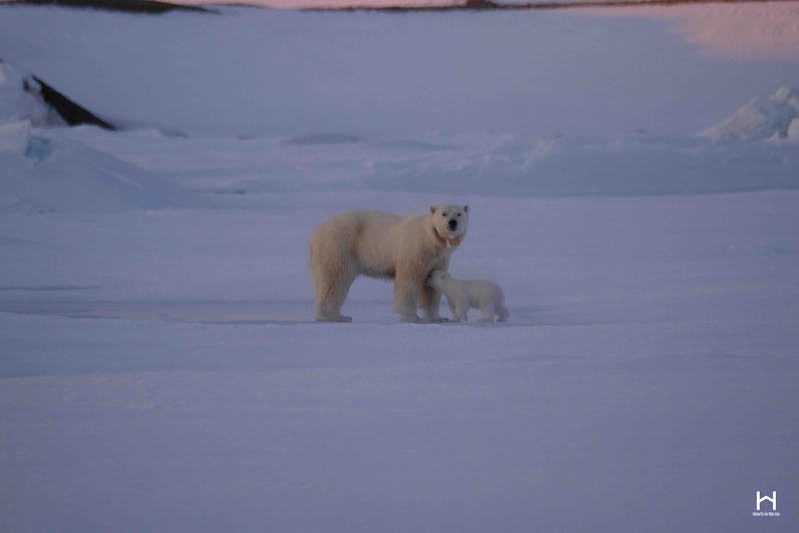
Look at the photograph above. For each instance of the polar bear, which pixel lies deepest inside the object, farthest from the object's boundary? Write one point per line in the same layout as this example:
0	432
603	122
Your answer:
387	246
465	294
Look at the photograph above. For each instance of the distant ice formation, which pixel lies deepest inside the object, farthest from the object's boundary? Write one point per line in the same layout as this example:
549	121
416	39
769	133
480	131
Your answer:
21	99
776	118
44	174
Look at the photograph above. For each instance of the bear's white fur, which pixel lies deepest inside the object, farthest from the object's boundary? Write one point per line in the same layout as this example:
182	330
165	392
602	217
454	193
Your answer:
465	294
387	246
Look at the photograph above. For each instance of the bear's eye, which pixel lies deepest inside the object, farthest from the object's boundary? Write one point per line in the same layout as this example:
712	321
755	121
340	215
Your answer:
443	214
459	214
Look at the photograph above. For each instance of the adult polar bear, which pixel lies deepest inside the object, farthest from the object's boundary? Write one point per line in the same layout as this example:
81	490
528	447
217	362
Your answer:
387	246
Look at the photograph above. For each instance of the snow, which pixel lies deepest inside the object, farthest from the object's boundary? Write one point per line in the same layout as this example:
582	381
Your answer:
20	99
45	174
180	384
759	120
42	175
236	172
159	366
14	136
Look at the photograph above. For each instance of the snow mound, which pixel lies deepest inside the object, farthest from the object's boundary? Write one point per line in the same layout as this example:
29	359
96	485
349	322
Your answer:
21	99
24	96
597	167
760	119
71	177
42	175
14	136
507	165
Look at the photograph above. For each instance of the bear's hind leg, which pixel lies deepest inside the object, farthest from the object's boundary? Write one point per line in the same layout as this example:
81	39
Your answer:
331	285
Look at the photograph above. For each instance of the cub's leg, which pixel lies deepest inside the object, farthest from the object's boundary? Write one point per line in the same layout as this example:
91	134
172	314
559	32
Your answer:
462	308
487	312
452	308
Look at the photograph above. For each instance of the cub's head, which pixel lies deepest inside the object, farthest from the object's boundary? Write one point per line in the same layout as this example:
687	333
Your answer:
450	222
436	278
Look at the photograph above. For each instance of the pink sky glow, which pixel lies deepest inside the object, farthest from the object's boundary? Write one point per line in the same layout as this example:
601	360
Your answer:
739	31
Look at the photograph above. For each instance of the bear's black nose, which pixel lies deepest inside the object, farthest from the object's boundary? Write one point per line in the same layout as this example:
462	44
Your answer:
453	224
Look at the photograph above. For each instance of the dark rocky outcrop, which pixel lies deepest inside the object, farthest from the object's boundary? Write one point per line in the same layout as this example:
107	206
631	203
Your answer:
72	113
128	6
488	5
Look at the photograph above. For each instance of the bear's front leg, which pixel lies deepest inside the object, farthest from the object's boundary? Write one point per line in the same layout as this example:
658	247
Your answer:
461	313
406	290
429	301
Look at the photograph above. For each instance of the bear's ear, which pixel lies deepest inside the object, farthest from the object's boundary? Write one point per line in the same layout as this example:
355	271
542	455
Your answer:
433	209
465	208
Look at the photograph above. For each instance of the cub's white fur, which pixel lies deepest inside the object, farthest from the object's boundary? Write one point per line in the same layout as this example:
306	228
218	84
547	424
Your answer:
383	245
465	294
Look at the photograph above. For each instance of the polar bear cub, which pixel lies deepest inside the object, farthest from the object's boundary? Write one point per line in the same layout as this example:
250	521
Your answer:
465	294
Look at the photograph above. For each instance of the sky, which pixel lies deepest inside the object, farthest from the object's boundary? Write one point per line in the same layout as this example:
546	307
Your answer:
743	31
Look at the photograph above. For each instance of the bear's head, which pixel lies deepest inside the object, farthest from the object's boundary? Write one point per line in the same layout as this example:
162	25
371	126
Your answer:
437	278
450	222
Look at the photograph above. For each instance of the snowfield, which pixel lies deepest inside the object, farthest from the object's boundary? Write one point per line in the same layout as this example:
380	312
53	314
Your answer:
162	371
159	366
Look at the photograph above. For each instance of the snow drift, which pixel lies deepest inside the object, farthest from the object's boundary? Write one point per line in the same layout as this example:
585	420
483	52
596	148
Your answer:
21	99
24	96
44	174
776	118
262	171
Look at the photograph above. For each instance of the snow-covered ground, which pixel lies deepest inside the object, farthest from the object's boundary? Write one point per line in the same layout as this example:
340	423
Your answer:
161	371
159	368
